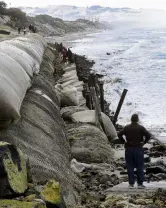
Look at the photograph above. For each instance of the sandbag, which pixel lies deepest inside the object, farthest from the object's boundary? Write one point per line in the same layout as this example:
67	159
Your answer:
70	68
66	112
28	49
24	59
88	116
68	95
19	59
89	144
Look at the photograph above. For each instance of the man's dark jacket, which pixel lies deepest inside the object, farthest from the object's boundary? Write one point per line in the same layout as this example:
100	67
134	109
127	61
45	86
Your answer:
136	135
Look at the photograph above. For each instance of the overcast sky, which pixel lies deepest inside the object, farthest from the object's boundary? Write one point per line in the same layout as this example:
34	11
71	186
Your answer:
158	4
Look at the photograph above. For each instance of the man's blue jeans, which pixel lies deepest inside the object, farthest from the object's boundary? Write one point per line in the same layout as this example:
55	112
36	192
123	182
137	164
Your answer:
135	159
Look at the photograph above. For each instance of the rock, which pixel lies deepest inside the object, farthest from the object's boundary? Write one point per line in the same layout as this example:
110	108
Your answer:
112	200
4	32
19	204
51	194
30	198
143	201
162	176
158	148
146	158
108	54
13	170
156	154
112	178
155	170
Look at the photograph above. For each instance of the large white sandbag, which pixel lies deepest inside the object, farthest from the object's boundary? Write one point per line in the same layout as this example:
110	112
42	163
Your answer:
73	82
68	78
19	59
68	96
71	67
88	116
28	64
34	38
70	74
14	82
28	49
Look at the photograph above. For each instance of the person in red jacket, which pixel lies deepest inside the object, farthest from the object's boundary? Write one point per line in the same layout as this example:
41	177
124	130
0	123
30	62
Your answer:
64	54
134	136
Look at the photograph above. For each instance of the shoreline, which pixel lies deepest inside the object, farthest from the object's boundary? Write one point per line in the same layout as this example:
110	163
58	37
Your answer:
68	38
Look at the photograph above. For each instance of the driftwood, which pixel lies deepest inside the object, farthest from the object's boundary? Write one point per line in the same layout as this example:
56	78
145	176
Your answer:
98	116
119	106
102	96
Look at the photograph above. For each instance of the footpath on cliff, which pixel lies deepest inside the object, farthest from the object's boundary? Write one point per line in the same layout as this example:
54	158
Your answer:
54	152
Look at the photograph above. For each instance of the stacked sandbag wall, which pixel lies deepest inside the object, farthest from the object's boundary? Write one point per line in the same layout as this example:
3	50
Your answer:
20	59
41	134
89	144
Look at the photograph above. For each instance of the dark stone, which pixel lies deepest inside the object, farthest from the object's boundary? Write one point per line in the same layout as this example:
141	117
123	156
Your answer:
146	158
4	32
155	170
108	54
155	154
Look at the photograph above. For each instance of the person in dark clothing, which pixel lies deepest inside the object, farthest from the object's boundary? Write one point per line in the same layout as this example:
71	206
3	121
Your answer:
19	30
69	56
60	48
30	27
134	136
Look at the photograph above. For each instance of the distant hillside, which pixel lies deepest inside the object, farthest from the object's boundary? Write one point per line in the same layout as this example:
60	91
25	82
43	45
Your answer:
72	12
55	26
114	16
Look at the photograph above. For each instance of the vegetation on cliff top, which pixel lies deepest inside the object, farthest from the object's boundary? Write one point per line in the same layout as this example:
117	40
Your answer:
45	24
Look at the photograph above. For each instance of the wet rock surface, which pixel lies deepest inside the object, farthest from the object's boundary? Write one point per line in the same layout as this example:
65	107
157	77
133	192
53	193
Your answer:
13	170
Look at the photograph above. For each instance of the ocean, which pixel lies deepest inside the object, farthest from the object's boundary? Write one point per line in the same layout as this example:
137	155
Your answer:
137	62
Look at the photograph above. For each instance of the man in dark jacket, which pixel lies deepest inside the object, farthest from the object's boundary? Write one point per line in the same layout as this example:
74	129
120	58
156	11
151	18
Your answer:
70	56
134	136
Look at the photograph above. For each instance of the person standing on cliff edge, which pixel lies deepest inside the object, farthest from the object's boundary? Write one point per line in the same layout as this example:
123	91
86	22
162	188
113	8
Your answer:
134	136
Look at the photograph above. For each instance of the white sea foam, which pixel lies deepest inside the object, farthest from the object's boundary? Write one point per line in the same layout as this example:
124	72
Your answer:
137	63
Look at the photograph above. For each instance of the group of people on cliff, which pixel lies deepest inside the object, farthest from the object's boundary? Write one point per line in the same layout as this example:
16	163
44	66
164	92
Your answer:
32	29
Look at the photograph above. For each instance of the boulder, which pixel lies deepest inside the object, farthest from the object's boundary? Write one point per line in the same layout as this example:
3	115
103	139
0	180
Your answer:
4	32
13	170
89	117
20	204
51	194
